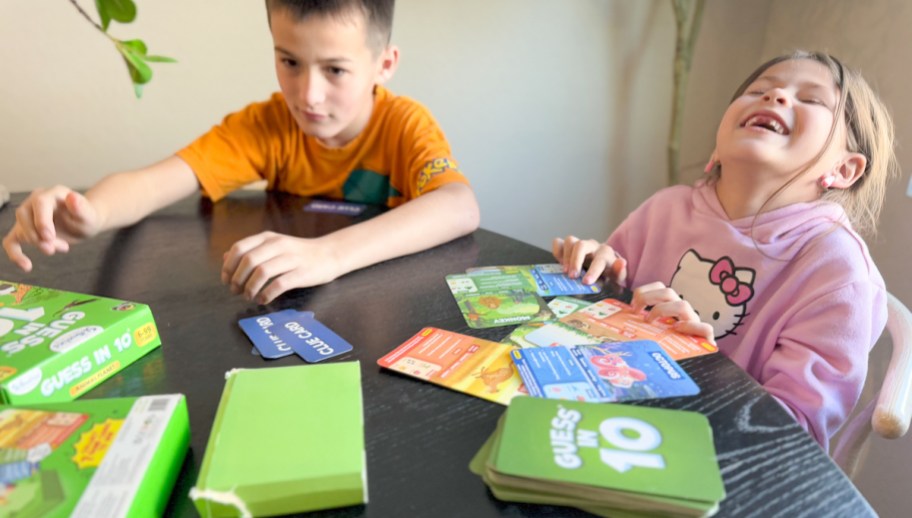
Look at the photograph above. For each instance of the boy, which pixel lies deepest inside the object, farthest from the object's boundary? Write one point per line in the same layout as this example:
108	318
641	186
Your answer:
333	131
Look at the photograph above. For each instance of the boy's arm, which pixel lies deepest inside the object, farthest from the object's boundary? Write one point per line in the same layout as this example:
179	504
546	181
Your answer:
52	219
431	219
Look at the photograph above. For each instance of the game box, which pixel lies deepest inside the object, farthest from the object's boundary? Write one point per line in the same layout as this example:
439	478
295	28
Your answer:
98	458
55	345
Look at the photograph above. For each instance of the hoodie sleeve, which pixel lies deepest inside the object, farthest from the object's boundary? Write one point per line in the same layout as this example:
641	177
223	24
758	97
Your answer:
818	366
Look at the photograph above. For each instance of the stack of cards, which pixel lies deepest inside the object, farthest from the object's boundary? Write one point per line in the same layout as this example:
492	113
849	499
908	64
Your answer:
463	363
611	320
622	371
508	295
607	459
286	332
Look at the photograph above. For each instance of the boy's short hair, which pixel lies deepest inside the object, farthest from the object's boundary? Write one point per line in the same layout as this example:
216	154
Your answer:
378	14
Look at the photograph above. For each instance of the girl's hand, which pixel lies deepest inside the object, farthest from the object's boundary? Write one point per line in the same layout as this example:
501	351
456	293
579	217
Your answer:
599	259
665	302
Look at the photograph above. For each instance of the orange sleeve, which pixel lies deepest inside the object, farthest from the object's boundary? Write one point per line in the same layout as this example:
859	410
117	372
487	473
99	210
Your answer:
429	162
247	146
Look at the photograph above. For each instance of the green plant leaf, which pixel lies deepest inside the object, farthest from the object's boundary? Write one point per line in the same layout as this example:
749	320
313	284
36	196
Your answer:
135	55
136	46
123	11
134	52
160	59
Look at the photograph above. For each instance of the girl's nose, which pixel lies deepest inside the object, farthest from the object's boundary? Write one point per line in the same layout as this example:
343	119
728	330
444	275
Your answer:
776	95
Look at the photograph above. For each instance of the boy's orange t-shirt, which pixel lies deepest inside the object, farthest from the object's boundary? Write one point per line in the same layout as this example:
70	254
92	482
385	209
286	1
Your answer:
401	154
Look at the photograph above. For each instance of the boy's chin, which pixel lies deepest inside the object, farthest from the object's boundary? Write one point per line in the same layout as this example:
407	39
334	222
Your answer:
331	137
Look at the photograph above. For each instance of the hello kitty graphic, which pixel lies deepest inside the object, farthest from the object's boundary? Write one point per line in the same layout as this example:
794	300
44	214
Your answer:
717	289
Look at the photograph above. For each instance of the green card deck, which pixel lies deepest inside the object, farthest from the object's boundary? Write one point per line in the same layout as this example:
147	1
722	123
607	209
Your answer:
98	458
608	459
285	440
56	345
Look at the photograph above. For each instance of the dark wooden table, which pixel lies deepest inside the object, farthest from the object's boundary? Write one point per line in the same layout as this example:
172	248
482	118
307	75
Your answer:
419	437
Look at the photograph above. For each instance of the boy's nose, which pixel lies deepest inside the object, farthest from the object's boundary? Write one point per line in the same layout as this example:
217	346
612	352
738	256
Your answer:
313	89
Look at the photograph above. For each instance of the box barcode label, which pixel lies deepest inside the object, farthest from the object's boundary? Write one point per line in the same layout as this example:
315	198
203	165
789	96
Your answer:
158	404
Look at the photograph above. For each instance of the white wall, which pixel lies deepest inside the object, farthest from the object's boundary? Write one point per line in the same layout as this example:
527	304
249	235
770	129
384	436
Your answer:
544	102
68	113
557	111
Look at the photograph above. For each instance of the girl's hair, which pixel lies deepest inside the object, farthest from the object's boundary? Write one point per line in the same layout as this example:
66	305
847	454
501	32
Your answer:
869	131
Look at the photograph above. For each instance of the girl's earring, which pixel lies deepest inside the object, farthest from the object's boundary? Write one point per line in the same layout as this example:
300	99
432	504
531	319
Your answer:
709	166
826	181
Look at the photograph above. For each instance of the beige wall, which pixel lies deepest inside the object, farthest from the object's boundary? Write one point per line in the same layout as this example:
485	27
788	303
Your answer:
872	36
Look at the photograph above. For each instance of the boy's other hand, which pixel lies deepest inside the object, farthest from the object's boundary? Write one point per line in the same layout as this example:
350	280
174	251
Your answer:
50	220
599	259
665	302
265	265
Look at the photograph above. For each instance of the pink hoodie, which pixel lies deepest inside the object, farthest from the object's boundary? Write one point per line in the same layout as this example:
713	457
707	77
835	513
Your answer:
798	305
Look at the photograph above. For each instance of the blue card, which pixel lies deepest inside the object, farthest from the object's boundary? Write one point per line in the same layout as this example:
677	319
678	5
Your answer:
551	281
621	371
312	340
262	330
335	207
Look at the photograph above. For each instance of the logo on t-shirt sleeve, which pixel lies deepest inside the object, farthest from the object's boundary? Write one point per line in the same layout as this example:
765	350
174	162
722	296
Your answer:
433	168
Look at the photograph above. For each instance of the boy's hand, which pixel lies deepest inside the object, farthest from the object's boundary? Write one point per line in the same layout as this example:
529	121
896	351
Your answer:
665	302
288	262
50	220
600	259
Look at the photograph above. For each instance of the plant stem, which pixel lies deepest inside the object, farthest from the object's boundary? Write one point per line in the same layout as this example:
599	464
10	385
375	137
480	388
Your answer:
688	14
87	17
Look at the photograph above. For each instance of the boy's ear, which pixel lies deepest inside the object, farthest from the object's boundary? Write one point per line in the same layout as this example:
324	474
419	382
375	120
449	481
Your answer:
389	61
849	170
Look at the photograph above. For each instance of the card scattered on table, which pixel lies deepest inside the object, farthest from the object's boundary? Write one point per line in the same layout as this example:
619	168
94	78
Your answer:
459	362
549	279
282	333
335	207
494	300
622	371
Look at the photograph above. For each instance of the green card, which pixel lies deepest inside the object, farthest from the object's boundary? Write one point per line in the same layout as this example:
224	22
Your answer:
501	299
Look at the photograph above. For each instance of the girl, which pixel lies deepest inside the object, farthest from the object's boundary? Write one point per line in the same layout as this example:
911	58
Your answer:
762	256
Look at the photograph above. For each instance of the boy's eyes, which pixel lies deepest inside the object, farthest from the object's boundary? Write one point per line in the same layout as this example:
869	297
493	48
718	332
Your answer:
336	71
289	62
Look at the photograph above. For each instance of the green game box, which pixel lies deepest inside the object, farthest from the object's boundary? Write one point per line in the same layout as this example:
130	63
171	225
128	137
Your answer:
285	440
55	345
98	458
